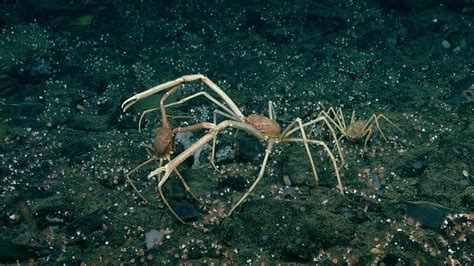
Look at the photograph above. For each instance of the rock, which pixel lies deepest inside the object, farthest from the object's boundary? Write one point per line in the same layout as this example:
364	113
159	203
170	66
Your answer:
27	109
468	196
186	211
89	122
428	214
27	122
52	211
8	85
12	252
88	223
77	147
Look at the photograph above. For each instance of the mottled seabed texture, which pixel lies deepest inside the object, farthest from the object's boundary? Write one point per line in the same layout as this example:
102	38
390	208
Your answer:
66	145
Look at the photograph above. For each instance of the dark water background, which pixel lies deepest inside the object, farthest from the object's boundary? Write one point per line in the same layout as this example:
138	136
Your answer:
66	67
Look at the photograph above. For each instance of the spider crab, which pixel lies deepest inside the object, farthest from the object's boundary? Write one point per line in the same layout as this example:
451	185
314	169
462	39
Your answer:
357	129
263	128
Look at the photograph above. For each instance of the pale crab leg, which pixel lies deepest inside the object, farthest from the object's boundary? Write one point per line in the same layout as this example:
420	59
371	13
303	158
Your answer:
151	158
268	150
369	133
331	156
341	117
339	120
306	146
386	119
147	93
145	112
130	181
374	119
187	78
212	99
322	117
164	118
213	151
352	116
187	187
230	114
305	142
271	111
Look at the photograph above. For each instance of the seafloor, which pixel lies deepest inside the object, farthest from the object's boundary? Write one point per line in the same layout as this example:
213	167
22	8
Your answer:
66	146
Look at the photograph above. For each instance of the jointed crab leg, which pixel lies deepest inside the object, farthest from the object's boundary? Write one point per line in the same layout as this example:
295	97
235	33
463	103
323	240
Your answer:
376	121
271	111
320	118
268	150
331	156
300	126
187	78
213	151
229	113
187	187
130	181
212	99
305	142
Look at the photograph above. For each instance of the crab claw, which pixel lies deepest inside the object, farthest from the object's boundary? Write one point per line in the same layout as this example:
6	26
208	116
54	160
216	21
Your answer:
128	103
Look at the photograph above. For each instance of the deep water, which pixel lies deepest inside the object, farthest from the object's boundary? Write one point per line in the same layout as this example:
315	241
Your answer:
388	85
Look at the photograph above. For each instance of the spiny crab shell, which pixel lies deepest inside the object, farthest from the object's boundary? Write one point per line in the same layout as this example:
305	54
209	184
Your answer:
163	142
265	125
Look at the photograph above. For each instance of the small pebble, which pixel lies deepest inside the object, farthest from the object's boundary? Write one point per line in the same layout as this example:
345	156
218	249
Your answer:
465	173
446	44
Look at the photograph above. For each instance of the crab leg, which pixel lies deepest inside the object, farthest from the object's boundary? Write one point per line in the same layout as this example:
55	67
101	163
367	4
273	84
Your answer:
322	117
368	129
305	142
187	78
130	181
268	150
229	113
331	156
187	187
214	140
212	99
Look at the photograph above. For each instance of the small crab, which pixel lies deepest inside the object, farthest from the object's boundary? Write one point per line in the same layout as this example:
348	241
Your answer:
357	129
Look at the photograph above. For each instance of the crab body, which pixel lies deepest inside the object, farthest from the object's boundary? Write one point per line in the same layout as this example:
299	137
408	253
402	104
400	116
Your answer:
266	126
163	141
355	131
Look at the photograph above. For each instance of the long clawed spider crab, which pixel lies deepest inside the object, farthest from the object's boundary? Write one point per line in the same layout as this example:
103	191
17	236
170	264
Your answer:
263	128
